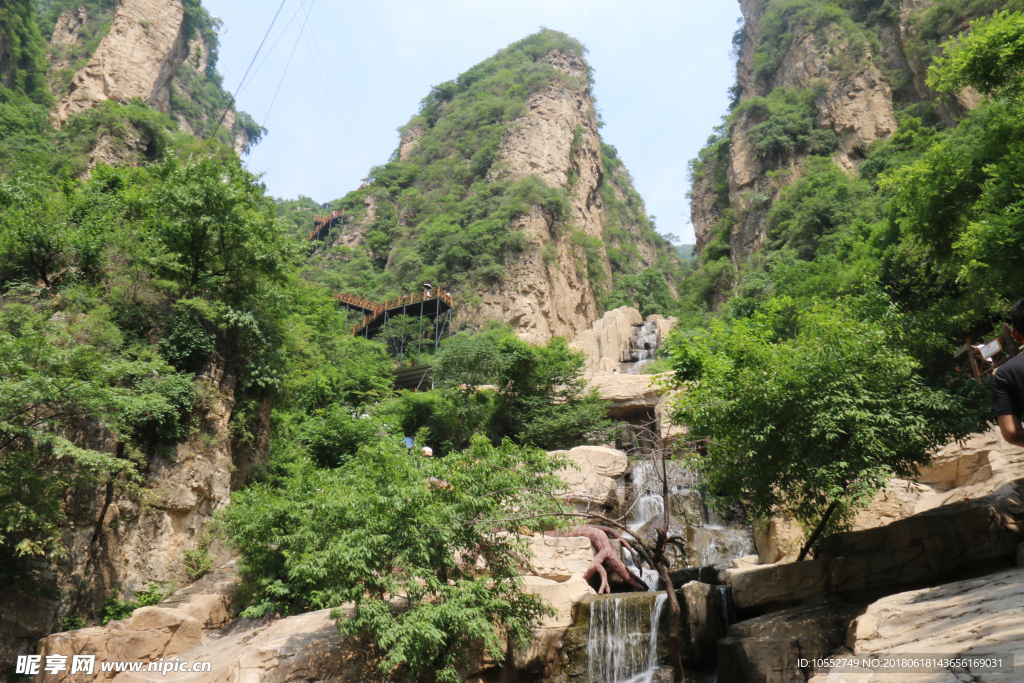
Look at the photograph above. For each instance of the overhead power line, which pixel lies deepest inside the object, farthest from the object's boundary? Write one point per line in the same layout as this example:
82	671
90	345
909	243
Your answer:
289	62
332	95
246	75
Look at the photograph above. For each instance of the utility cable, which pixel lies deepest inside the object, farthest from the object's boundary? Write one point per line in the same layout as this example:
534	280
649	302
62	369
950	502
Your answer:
284	31
340	109
335	106
246	75
314	163
289	62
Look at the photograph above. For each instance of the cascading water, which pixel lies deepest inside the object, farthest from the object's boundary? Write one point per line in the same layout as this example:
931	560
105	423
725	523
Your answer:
711	540
647	505
622	645
642	347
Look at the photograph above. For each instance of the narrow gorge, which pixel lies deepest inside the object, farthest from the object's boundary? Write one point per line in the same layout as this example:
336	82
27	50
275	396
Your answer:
614	463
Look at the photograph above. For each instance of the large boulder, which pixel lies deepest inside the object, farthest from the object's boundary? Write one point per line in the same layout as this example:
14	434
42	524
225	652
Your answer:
705	620
562	595
299	649
977	617
560	558
607	340
768	649
922	549
592	482
630	396
150	634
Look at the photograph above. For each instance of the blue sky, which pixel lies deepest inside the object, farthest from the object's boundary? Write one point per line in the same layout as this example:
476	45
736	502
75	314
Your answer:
662	72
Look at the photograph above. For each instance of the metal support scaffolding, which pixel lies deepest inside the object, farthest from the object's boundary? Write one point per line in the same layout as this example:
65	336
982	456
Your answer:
434	305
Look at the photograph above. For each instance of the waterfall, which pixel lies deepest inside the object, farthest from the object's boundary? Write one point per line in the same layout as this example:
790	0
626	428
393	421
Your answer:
619	649
728	614
642	347
645	508
712	540
649	576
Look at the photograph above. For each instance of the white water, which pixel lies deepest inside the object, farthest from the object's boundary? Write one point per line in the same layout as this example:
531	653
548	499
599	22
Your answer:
619	648
647	507
642	347
647	575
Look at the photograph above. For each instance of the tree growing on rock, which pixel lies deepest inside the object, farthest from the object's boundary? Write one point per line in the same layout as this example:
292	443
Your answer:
654	551
812	410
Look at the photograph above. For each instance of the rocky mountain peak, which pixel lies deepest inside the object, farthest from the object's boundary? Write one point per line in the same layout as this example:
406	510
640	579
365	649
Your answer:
572	234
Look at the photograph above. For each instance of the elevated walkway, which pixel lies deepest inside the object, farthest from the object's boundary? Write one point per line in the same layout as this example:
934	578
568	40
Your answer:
323	224
436	305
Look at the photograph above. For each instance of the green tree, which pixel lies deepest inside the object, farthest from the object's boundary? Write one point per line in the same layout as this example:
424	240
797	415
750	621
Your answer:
541	397
22	52
989	59
52	377
398	537
811	410
646	291
219	231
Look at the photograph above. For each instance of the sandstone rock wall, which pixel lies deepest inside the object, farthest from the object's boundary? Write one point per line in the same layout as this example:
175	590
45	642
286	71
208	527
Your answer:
118	544
606	344
608	339
138	57
543	298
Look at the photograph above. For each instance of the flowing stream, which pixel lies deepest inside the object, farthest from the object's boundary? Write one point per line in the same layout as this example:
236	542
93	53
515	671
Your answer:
622	645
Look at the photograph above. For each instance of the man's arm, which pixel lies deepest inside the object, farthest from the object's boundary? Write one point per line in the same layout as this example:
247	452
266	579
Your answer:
1011	429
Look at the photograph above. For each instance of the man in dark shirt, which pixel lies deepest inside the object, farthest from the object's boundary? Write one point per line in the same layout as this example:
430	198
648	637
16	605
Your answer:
1008	385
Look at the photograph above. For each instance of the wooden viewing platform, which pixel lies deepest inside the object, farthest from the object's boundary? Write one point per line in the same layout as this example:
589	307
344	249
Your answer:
323	224
436	304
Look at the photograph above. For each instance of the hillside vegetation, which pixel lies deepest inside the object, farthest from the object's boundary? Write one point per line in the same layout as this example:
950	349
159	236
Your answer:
917	219
865	277
124	289
442	215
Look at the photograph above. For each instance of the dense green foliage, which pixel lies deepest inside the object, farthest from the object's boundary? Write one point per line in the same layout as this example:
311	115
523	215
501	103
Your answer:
990	59
22	53
532	395
929	216
805	403
806	406
397	537
107	310
786	125
444	213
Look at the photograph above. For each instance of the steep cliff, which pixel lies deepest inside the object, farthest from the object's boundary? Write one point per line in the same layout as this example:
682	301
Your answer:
163	52
502	192
814	79
116	544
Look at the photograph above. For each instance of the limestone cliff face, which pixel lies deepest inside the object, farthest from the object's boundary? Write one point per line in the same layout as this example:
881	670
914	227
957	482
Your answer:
138	57
118	543
855	100
543	298
144	54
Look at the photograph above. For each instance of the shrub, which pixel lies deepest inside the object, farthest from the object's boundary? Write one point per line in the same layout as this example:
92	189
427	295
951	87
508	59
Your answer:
115	610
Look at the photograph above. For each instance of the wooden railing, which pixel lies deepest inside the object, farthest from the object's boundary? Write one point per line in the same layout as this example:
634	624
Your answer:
320	221
379	308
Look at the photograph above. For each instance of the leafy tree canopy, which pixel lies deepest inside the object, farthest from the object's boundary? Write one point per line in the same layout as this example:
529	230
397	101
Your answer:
807	409
398	537
989	59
